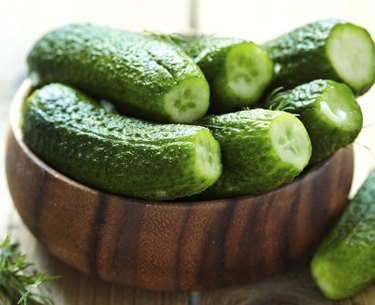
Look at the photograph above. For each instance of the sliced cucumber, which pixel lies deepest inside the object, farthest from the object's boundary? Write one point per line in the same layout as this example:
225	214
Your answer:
238	71
117	154
328	110
144	77
352	54
183	104
336	106
289	141
207	160
326	49
248	72
261	150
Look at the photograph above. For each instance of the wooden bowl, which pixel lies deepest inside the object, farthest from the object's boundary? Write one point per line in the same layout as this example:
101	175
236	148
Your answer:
173	246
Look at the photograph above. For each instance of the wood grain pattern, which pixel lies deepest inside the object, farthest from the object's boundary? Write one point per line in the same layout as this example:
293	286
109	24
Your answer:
173	246
294	286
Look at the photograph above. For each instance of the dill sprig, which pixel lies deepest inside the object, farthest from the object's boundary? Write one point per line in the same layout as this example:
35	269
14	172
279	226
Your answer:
19	284
276	101
274	94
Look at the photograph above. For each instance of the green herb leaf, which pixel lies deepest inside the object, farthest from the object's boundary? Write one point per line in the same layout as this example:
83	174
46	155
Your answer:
17	285
276	101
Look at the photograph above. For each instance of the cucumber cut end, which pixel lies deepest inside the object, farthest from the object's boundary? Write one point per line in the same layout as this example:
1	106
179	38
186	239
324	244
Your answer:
351	51
208	160
334	113
339	107
249	71
188	101
290	140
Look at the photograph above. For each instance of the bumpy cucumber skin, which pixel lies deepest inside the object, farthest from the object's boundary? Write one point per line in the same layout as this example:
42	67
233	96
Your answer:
325	138
300	56
133	70
110	152
210	53
250	164
345	259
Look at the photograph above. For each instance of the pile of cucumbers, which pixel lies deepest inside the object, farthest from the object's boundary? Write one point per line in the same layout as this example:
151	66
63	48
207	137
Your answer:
201	116
207	117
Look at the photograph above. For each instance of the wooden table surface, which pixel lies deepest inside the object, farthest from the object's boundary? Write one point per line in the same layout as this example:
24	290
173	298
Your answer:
23	21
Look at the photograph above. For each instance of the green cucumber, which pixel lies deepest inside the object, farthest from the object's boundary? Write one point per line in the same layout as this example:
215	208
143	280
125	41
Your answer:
344	263
238	71
328	49
261	150
328	110
146	78
113	153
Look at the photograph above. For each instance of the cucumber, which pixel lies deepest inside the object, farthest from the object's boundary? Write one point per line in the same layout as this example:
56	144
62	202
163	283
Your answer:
261	150
328	49
147	78
328	110
344	263
238	71
116	154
